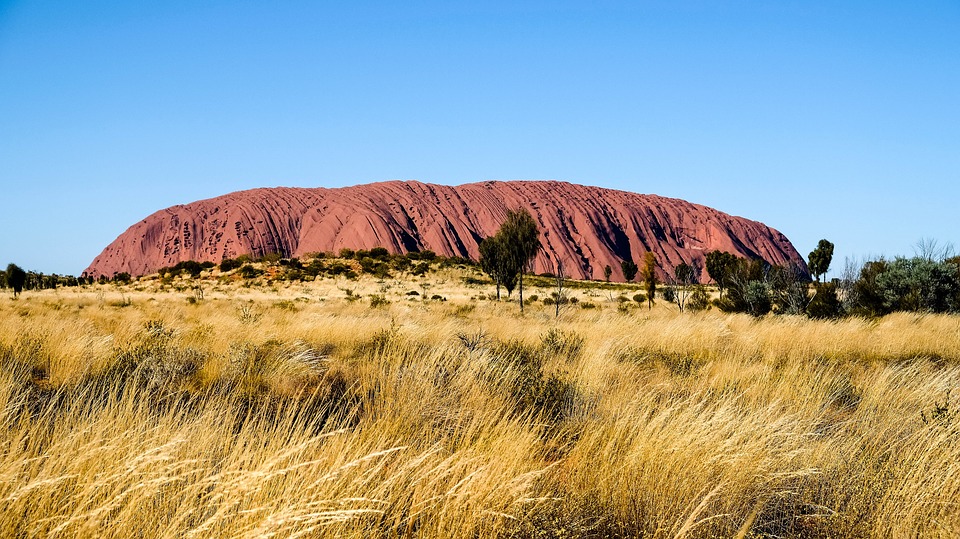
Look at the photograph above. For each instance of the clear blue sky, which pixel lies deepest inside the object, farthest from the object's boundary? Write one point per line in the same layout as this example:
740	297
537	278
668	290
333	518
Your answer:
836	120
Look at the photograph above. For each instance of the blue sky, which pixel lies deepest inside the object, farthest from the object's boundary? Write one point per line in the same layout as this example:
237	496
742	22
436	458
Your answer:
836	120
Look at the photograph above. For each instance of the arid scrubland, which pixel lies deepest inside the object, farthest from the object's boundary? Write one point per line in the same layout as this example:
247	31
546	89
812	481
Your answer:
303	411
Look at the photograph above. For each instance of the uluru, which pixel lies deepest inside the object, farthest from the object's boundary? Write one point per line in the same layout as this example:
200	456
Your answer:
586	228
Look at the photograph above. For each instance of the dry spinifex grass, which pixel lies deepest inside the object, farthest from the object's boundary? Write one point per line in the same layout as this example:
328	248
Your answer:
302	418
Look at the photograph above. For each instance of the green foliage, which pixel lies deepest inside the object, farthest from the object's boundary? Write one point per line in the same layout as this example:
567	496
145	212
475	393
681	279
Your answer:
496	262
720	266
757	297
668	294
630	269
186	267
699	299
685	277
607	272
819	260
230	264
748	289
509	253
567	344
375	267
790	290
401	263
16	278
907	284
425	255
547	396
684	273
825	302
249	272
378	300
420	269
521	237
379	253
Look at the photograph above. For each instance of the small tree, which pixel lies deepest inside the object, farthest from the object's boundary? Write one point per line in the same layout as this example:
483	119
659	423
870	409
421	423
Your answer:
630	269
819	260
16	278
607	272
699	299
741	273
720	265
650	277
494	262
561	299
789	289
521	238
685	277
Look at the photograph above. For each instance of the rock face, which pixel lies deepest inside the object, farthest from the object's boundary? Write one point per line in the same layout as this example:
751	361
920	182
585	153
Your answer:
587	228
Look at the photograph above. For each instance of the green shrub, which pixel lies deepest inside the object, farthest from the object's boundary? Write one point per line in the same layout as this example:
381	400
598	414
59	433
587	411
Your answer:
230	264
825	302
668	294
249	272
568	344
757	297
379	253
378	300
699	300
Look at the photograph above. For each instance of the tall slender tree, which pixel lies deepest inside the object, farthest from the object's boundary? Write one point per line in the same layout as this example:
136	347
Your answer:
819	260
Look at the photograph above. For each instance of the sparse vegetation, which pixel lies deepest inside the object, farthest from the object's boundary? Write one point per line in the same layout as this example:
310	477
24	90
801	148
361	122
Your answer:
325	417
289	407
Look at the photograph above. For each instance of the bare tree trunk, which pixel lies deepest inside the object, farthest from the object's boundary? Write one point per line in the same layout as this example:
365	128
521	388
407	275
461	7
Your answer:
521	291
559	286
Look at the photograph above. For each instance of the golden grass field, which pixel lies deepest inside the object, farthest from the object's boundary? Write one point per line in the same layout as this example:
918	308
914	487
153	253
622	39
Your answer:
293	410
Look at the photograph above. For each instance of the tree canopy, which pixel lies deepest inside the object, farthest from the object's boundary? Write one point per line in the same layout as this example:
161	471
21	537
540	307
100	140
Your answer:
16	278
819	260
630	269
511	251
720	266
